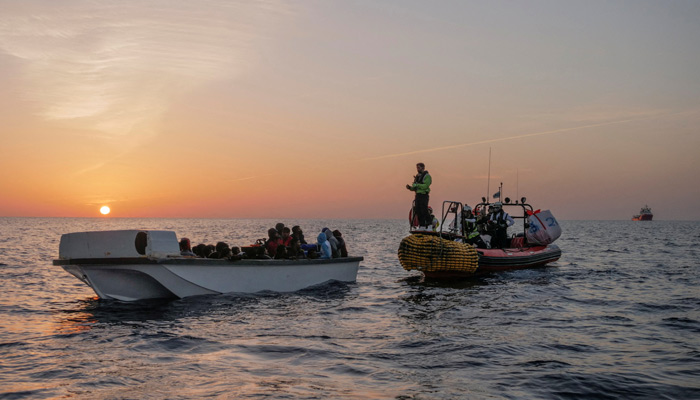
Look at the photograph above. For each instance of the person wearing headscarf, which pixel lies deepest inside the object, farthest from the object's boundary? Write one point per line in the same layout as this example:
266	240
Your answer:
324	246
333	241
341	243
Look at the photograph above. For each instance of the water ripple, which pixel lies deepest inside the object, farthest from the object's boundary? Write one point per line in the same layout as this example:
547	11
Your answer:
616	317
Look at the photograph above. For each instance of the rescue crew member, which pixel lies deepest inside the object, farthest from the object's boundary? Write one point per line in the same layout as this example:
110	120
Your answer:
433	219
471	228
499	221
421	185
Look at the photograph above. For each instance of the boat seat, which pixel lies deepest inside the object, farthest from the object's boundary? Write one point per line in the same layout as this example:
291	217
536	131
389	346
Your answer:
517	242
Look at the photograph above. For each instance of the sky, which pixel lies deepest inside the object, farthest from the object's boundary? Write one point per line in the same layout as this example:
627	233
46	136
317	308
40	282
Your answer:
321	109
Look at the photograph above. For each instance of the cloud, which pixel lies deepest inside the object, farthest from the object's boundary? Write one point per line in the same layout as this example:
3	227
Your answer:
114	67
543	133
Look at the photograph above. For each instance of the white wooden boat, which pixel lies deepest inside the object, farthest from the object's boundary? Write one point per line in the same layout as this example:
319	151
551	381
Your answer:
131	265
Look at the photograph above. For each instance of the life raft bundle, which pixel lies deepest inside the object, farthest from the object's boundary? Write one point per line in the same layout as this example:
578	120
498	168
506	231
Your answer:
429	253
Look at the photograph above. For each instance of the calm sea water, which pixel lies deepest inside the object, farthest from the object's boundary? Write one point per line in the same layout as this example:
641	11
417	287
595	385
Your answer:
617	317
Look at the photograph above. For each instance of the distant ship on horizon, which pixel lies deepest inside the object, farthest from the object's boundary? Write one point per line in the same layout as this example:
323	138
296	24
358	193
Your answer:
644	214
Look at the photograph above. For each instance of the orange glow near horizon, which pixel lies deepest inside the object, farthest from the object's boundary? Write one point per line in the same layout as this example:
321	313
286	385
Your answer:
302	182
242	109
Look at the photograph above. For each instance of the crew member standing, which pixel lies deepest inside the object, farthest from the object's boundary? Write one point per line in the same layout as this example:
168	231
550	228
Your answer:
470	225
421	185
499	222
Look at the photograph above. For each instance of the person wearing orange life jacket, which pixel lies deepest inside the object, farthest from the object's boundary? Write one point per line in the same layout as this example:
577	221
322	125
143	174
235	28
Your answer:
286	236
272	242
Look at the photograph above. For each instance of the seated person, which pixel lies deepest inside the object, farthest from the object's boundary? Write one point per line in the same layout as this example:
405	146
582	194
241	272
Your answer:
222	251
201	250
286	236
335	251
294	251
341	243
298	234
236	254
324	246
281	252
273	240
185	248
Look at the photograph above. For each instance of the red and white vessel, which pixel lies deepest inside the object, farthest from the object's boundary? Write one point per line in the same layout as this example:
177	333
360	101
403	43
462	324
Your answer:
520	251
644	214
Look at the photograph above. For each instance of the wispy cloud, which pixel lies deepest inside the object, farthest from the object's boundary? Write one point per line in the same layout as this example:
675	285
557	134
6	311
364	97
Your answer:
247	178
550	132
115	66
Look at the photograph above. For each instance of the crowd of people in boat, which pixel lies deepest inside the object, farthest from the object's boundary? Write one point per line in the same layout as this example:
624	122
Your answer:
282	242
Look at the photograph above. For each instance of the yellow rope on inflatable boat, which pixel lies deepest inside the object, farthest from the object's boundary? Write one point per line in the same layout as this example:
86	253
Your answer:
433	254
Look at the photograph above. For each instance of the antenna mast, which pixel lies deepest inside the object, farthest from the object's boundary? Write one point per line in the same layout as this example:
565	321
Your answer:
488	182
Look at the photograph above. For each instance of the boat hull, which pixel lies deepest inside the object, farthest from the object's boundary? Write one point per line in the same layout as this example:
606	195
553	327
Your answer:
436	258
143	278
497	260
643	217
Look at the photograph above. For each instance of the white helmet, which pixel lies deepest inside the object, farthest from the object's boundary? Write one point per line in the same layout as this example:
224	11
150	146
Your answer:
497	205
467	208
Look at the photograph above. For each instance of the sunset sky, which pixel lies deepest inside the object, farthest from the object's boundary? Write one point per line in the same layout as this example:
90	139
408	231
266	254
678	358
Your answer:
321	109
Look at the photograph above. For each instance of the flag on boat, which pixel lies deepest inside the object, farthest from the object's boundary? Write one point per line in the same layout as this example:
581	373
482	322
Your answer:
497	195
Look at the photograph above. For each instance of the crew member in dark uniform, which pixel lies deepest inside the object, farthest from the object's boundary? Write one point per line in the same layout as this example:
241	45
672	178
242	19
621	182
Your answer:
499	221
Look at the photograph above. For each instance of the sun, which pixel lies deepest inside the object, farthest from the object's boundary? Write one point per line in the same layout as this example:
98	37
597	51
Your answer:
105	210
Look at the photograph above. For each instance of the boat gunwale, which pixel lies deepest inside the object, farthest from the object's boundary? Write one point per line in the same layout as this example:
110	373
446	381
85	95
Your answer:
199	262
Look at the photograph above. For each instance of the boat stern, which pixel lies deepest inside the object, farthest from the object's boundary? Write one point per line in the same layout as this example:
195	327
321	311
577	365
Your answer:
118	244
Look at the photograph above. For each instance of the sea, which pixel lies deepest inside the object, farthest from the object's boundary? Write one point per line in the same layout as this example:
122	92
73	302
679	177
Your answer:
617	317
